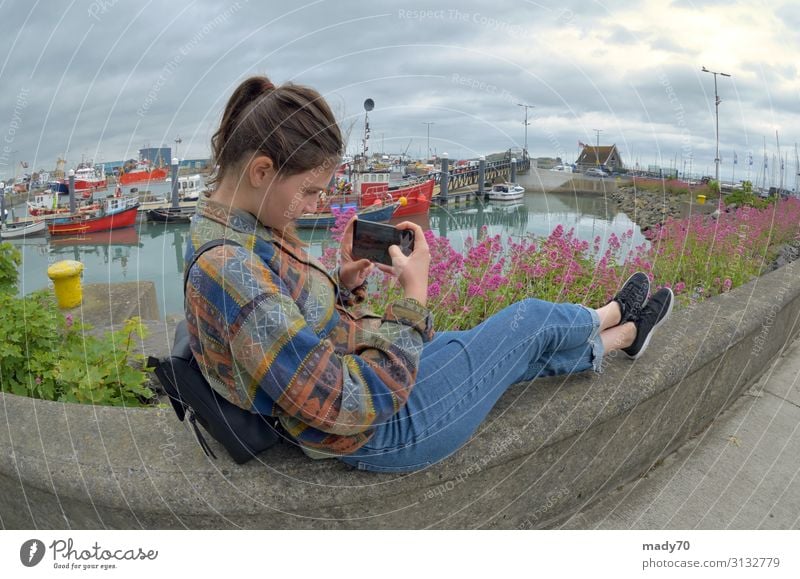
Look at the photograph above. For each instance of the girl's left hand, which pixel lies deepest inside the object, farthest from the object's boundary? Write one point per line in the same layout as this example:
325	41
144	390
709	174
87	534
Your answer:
352	273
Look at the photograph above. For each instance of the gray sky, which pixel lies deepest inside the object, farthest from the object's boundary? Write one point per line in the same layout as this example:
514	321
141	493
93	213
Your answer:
104	78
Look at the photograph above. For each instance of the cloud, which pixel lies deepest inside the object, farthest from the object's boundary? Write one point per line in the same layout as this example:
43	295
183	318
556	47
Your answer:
102	79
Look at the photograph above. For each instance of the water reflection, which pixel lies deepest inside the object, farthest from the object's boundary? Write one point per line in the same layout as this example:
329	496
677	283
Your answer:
154	251
458	223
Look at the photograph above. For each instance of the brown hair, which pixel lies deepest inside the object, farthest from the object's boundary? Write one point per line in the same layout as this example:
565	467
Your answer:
291	124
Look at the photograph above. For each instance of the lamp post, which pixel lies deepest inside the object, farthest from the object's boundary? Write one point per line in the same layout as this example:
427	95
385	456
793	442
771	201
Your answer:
178	141
71	189
717	100
175	183
429	137
526	107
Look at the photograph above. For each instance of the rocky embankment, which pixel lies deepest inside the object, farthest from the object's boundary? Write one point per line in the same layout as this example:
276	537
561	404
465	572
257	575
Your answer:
649	208
787	254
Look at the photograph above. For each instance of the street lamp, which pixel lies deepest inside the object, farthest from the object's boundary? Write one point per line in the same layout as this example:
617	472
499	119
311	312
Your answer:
178	141
717	100
429	137
526	125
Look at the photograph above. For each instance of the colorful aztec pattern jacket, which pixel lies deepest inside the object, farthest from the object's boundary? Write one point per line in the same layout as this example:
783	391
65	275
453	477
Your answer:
273	333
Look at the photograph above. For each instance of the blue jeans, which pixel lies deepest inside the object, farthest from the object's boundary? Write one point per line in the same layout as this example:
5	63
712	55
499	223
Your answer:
462	374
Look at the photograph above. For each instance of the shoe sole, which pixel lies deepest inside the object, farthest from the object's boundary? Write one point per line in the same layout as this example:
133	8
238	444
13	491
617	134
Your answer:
650	335
630	277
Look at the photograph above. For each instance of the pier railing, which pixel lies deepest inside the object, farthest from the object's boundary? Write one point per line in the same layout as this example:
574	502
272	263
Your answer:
454	178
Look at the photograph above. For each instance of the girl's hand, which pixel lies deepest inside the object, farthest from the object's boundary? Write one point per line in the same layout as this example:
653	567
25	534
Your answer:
412	270
352	273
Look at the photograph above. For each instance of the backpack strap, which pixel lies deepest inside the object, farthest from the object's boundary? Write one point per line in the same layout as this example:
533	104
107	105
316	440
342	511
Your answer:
200	251
242	433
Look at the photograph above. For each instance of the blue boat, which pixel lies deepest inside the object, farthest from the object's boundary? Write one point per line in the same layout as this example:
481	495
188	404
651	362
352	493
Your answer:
376	214
59	187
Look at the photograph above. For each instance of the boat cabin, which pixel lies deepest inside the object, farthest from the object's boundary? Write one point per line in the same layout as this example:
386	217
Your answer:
190	187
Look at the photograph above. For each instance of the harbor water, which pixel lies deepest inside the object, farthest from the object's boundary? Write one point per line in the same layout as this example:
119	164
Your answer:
153	252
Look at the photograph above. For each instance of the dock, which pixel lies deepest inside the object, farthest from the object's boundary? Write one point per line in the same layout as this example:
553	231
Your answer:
141	212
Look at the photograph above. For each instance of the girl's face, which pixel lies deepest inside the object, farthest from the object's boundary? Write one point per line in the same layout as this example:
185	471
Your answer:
286	199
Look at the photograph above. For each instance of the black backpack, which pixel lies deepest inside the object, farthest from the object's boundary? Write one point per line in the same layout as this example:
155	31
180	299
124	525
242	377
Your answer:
242	433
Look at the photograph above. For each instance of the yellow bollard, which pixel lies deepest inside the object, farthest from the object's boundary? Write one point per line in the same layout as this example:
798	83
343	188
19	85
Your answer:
66	276
701	199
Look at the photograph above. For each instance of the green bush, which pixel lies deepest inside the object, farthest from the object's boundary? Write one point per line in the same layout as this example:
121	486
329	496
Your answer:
45	354
747	197
10	259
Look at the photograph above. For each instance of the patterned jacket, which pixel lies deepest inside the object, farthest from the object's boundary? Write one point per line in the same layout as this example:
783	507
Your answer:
273	334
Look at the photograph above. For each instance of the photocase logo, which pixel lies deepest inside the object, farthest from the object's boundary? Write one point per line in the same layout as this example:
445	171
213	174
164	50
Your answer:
31	552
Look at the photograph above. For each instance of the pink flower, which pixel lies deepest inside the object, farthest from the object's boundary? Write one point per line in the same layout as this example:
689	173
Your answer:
726	285
68	319
474	290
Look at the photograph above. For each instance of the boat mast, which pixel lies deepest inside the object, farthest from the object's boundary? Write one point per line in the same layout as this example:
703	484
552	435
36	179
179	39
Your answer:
780	159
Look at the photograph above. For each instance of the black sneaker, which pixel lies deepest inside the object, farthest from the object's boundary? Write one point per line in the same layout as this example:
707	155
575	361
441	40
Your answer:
653	314
632	297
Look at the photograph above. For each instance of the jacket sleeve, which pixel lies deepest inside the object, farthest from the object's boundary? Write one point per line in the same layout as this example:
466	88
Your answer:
347	297
275	350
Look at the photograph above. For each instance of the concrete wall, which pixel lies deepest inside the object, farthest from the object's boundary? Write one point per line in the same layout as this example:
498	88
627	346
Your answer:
546	449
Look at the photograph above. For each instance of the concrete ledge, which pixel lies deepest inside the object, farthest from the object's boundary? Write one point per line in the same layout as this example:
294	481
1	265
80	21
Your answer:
110	304
546	450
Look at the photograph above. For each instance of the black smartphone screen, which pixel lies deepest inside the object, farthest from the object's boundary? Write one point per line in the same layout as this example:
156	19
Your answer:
372	240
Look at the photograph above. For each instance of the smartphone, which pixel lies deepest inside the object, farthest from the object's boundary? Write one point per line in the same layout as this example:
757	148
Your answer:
372	240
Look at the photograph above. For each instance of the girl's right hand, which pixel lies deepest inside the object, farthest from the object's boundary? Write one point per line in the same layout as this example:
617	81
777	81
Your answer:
411	270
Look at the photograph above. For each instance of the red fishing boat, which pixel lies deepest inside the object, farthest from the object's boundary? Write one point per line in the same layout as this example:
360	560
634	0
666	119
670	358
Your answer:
417	198
116	212
124	236
369	188
143	171
88	181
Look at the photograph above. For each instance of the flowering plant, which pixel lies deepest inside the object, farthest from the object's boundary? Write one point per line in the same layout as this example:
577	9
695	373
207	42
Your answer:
697	257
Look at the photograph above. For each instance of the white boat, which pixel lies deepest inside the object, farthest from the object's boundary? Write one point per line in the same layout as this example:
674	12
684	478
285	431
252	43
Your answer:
503	207
506	192
190	187
47	200
27	229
